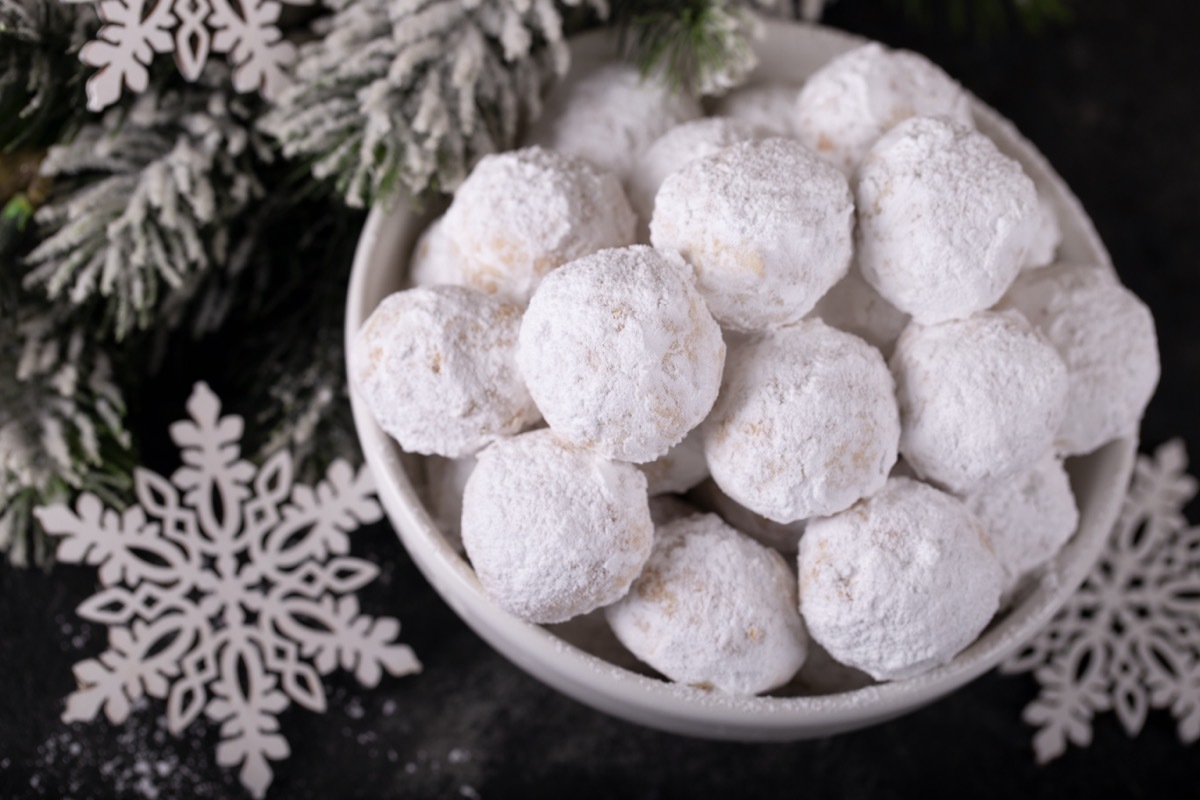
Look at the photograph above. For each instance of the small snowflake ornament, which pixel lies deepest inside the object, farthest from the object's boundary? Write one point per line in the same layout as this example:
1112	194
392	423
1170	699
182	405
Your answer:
1129	639
134	30
227	591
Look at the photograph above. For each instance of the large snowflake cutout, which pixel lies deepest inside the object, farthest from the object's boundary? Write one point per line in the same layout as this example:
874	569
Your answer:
1129	639
134	30
227	591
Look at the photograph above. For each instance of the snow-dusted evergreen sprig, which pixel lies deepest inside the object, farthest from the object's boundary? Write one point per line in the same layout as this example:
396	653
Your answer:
698	46
41	80
405	95
144	201
61	429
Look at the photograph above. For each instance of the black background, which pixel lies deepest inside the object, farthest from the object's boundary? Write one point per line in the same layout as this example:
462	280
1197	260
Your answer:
1113	102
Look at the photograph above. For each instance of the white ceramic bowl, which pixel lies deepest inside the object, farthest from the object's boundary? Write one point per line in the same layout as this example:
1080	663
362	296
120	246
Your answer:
604	678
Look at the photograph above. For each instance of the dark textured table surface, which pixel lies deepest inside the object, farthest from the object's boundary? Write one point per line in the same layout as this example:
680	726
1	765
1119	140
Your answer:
1113	101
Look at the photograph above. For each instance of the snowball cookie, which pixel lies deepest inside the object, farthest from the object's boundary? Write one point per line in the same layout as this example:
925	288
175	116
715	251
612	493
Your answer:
854	306
609	116
435	259
677	148
980	399
781	536
1028	517
1105	334
944	219
445	480
900	583
1045	235
436	366
680	469
620	353
858	96
713	609
769	106
520	214
806	423
766	225
554	530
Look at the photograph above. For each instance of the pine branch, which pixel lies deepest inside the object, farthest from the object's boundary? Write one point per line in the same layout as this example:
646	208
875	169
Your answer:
405	95
698	46
61	428
41	77
143	203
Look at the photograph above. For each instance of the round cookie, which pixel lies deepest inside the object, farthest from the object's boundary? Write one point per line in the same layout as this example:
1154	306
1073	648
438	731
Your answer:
523	213
677	148
713	609
1028	517
437	368
857	97
1045	235
781	536
1105	334
620	353
806	423
899	583
766	225
609	115
980	399
552	530
767	106
944	219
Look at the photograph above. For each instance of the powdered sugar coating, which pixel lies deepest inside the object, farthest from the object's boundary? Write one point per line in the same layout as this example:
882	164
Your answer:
436	366
609	116
553	530
677	148
621	354
806	423
680	469
523	213
1105	334
980	399
766	225
1028	517
769	106
944	219
859	96
1045	235
435	259
854	306
900	582
713	609
781	536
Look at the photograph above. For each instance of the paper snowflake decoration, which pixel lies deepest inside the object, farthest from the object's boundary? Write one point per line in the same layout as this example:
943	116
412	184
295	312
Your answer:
134	30
1129	639
227	591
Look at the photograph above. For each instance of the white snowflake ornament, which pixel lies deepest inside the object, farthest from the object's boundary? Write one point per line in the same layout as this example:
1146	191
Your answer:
1129	639
134	30
228	591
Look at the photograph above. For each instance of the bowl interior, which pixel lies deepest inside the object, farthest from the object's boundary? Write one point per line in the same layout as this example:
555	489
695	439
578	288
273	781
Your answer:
581	658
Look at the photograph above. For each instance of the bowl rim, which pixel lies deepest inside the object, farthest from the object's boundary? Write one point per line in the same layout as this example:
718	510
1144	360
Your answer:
685	709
